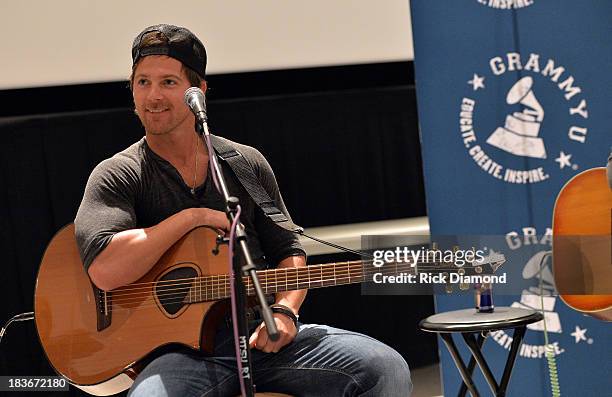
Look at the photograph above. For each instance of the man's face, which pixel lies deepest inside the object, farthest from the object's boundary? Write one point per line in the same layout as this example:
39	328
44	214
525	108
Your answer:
158	88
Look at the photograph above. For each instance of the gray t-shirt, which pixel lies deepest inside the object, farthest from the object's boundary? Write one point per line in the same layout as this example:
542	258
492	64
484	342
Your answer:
136	188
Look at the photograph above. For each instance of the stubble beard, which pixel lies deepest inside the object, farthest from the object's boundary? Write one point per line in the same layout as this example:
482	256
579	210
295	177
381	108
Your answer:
159	128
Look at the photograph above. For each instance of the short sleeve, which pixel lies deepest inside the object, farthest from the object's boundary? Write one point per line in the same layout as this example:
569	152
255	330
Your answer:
108	207
277	242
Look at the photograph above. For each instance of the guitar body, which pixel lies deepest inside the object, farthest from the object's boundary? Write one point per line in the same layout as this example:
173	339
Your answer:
582	263
133	322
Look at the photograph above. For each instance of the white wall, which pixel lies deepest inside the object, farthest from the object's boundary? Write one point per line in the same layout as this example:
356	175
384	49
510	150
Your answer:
77	41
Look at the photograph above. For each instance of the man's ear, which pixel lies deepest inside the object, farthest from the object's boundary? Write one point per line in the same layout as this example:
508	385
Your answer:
203	86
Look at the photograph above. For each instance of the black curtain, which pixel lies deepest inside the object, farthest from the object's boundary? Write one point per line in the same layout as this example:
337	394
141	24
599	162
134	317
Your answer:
339	157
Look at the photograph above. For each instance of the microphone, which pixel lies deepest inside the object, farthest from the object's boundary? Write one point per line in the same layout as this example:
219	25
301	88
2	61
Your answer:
194	98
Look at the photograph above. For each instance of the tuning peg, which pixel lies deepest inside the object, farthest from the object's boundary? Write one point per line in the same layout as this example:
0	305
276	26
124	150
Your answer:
463	286
473	255
432	252
448	287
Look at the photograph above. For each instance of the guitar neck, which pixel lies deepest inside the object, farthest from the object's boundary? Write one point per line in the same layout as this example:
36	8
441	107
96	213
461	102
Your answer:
216	287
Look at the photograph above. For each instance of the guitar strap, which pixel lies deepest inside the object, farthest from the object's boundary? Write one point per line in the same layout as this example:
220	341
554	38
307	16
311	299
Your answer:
245	174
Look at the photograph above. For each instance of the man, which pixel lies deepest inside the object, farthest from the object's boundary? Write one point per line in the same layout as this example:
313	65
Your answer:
142	200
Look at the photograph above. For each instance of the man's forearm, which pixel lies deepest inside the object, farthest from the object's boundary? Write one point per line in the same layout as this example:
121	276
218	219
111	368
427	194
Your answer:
292	299
132	253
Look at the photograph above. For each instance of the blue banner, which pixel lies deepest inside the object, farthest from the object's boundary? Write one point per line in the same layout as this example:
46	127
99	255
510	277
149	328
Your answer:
515	98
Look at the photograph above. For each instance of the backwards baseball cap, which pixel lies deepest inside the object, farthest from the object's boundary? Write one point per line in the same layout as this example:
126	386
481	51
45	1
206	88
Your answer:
176	42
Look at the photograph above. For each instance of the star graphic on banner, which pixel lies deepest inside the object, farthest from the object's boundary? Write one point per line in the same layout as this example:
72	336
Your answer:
579	334
564	160
477	82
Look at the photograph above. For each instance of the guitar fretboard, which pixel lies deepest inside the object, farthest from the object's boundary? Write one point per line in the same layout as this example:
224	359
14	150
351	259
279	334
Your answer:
215	287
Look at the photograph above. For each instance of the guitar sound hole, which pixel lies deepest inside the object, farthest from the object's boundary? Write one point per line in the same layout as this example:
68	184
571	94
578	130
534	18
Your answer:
172	288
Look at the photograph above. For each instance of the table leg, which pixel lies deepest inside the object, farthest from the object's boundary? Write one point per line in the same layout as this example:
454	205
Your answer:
467	379
517	338
474	346
471	365
477	354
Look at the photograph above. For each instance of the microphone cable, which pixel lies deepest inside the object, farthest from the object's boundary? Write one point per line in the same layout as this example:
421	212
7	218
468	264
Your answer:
548	349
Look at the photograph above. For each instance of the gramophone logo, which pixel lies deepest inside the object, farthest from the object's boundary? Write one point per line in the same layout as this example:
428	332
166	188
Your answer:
533	129
520	133
506	4
526	246
538	269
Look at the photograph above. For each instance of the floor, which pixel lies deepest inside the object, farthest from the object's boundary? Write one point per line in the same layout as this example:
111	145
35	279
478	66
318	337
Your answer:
426	381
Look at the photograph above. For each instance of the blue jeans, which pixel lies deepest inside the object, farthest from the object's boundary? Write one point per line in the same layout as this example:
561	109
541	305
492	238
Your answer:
321	361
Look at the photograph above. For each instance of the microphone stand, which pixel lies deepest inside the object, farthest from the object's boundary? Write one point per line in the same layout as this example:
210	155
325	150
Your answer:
232	202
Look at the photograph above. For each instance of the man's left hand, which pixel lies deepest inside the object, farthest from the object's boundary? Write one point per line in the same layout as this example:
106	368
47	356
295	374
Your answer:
286	329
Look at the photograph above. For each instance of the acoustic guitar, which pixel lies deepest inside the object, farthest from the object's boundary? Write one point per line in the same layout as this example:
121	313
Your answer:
97	340
582	248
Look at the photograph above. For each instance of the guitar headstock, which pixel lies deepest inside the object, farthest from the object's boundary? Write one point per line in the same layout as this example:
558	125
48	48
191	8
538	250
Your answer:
492	262
476	264
462	265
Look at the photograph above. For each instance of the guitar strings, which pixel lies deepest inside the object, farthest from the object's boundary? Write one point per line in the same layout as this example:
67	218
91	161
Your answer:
290	276
249	288
344	276
260	273
212	285
147	285
150	300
